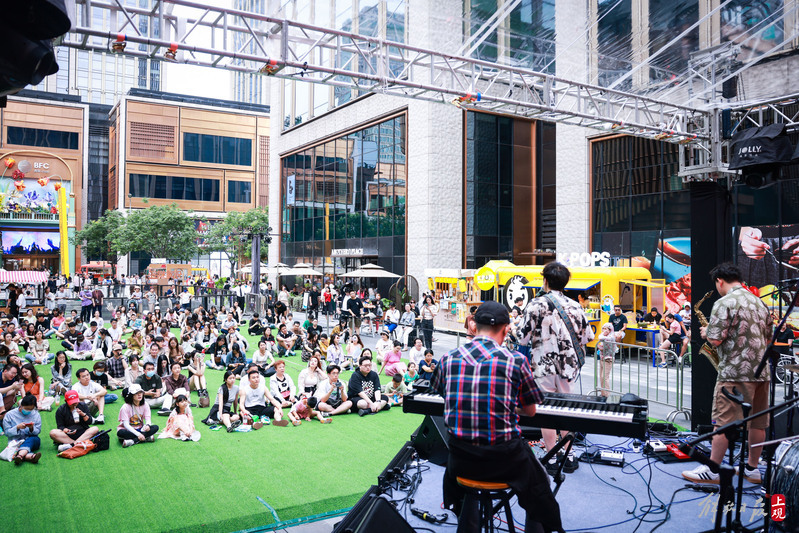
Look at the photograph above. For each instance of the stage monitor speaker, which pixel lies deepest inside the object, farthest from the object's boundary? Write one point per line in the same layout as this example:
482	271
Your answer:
373	513
430	440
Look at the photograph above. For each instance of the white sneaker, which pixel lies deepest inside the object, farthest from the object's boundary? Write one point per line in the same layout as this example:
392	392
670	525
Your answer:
752	475
127	443
701	474
100	419
64	447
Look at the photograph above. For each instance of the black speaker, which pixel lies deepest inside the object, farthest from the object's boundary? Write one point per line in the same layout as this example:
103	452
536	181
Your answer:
729	88
373	513
430	440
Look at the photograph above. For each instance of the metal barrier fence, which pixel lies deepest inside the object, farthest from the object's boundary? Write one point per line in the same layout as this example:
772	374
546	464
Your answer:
639	376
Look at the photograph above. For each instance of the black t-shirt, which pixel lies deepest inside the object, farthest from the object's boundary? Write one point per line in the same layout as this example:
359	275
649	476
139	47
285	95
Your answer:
355	306
65	419
44	325
649	318
71	337
101	380
313	296
617	321
360	383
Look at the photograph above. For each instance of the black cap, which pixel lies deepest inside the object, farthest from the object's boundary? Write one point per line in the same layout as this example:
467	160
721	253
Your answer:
492	313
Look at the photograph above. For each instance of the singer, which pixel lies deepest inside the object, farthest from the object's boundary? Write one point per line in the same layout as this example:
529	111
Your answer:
740	326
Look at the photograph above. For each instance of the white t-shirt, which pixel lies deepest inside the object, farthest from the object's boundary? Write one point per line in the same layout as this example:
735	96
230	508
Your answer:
253	396
416	356
90	389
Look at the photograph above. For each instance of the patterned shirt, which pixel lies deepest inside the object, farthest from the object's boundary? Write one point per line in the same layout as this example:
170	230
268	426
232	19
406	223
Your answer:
741	321
550	342
482	383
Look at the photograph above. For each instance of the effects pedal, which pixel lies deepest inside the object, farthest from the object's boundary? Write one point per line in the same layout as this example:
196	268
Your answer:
610	457
656	445
676	452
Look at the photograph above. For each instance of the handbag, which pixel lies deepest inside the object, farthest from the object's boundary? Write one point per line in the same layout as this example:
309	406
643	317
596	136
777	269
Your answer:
578	348
11	450
79	449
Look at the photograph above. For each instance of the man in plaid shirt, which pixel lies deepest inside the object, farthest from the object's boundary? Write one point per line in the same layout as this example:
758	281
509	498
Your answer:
485	387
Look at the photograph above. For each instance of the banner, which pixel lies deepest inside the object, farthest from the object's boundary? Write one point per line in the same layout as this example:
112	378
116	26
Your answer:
291	193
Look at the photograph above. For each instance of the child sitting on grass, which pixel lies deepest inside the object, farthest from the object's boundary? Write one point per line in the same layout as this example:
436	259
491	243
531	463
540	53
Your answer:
180	425
304	409
395	390
411	375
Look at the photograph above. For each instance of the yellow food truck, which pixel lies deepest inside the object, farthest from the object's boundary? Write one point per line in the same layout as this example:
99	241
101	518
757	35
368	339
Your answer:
598	288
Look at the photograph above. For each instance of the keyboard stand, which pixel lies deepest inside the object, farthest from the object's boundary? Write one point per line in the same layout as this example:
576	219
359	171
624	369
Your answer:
566	441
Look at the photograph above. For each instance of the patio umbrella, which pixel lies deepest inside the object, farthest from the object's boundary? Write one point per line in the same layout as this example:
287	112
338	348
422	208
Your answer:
370	271
247	269
301	269
277	268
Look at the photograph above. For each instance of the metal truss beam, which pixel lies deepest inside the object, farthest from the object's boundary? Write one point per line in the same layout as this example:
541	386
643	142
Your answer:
252	42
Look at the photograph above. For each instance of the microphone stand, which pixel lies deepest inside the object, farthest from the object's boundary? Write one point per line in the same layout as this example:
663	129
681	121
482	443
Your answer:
727	471
772	356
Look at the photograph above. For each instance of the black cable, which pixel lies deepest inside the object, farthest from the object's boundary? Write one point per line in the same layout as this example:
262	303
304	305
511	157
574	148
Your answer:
668	508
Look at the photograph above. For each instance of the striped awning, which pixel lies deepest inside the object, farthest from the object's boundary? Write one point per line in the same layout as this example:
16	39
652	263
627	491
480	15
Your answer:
23	276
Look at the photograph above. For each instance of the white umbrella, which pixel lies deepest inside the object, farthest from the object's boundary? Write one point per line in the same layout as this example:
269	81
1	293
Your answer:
247	269
370	271
301	269
277	268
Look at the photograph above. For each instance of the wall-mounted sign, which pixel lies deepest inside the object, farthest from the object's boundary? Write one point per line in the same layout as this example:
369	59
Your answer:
352	252
515	288
585	259
291	190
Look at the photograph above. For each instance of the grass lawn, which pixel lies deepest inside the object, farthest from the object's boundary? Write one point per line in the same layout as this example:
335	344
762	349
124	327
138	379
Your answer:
216	484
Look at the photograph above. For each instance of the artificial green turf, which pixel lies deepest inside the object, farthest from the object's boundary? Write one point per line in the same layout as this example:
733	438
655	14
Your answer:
211	485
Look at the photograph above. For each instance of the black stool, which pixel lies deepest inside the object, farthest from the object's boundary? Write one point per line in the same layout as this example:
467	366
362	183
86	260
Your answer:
486	492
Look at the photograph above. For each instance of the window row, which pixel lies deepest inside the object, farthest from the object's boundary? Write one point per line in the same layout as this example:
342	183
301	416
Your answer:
217	149
42	138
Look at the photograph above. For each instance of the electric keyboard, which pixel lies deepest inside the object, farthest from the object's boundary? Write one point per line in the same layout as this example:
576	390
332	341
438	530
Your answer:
569	412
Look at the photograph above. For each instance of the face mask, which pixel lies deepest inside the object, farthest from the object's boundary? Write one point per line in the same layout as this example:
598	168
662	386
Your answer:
98	373
150	374
24	412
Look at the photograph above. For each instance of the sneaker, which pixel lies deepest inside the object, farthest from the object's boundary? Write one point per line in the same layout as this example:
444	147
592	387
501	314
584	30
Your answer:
701	474
215	427
64	447
33	458
281	423
163	412
257	425
233	426
151	438
192	405
552	467
570	465
296	422
127	443
364	412
265	420
18	459
326	420
752	475
100	419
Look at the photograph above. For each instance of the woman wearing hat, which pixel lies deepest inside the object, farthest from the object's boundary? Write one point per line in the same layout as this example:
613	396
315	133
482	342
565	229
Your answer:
134	419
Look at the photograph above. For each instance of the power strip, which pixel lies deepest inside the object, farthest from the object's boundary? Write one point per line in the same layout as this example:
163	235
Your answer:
612	458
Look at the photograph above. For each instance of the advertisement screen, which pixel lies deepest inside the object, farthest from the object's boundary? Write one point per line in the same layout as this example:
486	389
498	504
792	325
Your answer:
27	242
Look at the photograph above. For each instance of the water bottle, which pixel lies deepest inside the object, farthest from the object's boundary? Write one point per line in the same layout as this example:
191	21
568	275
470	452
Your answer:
58	399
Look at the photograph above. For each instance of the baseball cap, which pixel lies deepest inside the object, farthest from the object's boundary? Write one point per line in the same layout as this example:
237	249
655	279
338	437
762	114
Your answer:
116	347
134	389
492	313
71	397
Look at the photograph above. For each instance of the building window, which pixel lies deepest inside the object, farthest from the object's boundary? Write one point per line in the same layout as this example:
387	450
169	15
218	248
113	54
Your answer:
239	192
217	149
174	188
43	138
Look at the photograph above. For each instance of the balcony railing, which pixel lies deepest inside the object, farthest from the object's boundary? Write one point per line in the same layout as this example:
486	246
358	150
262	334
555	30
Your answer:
28	216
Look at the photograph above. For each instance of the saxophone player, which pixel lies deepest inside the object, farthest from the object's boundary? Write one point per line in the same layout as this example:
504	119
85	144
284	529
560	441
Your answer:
740	327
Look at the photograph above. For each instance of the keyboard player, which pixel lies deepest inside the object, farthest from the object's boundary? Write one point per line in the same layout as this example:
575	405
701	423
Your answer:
485	387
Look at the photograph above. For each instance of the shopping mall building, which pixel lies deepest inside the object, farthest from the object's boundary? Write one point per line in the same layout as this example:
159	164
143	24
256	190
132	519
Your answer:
409	184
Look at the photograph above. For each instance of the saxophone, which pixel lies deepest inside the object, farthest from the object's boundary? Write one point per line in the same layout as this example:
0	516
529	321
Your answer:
708	350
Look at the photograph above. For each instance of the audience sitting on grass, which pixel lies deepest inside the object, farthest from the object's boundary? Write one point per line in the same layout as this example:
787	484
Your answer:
427	366
393	364
39	350
224	410
33	384
218	354
91	393
73	422
311	376
61	374
236	360
180	425
135	369
335	352
364	387
383	346
332	393
152	386
309	346
262	357
395	390
304	409
82	349
416	353
116	365
134	419
282	386
24	423
196	369
100	376
354	349
253	397
411	375
286	340
176	385
10	386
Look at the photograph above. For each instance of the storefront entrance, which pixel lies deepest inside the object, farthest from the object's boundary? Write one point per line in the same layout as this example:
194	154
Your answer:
31	262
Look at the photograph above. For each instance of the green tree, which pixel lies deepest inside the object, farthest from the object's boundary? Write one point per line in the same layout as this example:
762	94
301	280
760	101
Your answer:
96	237
162	231
226	235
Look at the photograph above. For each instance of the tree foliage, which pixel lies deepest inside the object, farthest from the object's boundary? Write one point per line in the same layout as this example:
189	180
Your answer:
161	231
224	236
96	237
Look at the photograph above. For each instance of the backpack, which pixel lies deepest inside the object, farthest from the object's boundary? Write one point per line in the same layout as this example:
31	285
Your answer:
102	441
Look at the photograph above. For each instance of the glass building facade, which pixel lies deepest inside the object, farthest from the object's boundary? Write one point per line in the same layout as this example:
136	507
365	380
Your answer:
347	193
509	196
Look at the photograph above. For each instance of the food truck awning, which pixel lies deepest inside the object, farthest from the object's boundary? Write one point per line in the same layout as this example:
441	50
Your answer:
23	276
573	285
643	283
